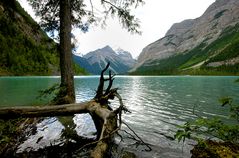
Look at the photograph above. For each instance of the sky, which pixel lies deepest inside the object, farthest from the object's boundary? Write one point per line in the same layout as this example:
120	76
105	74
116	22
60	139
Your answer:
156	17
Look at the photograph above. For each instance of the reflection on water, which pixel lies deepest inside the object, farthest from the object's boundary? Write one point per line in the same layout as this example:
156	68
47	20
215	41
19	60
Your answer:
85	126
157	105
48	133
24	90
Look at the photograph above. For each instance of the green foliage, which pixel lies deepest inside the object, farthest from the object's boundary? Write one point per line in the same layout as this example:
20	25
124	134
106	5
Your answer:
49	11
53	90
79	70
213	127
183	134
237	81
224	70
55	93
173	64
224	48
9	133
227	45
21	53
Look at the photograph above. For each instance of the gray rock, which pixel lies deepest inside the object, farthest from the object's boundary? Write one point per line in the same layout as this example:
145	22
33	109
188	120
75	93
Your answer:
188	34
120	61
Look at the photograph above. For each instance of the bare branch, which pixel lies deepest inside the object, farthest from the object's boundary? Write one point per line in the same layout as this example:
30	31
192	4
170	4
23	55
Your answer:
92	7
105	118
111	4
146	144
100	89
111	79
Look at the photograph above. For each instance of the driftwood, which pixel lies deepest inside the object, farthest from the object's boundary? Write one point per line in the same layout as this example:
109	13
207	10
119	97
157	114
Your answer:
104	117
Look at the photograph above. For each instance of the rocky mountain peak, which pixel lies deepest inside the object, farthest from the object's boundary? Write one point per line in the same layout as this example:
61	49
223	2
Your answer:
94	61
190	33
123	53
179	28
107	48
218	4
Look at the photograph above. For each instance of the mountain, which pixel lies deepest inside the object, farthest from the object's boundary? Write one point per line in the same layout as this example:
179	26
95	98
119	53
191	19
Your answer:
25	48
120	61
205	45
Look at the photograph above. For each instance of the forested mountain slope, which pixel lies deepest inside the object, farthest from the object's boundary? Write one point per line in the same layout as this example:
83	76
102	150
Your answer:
208	45
25	49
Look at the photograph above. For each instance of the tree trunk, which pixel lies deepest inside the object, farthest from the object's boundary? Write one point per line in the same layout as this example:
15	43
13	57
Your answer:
44	111
67	93
108	123
104	117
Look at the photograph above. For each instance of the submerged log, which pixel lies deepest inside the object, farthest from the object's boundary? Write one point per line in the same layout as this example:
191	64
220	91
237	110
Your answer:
104	117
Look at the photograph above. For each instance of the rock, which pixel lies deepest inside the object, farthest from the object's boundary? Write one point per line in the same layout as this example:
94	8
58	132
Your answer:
215	149
94	61
128	154
188	34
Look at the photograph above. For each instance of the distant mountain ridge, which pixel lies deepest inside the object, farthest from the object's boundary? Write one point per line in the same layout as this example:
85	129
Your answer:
95	61
193	46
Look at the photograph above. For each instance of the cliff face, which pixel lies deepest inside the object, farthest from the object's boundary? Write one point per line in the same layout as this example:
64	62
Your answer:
185	36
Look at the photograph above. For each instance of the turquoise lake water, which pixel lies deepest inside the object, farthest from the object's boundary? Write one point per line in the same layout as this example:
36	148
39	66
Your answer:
157	104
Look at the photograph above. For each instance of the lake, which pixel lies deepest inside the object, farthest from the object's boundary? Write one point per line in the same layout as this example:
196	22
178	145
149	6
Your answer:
157	104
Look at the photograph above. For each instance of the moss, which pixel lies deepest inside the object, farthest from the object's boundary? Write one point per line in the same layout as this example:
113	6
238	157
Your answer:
128	154
215	149
10	133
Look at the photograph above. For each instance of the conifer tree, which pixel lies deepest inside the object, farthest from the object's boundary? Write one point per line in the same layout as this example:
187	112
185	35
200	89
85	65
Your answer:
62	15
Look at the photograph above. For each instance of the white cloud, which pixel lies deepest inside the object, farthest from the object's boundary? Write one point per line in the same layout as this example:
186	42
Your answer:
156	18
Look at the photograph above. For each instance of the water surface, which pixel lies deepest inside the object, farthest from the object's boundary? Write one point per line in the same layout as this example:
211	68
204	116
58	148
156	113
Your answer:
157	105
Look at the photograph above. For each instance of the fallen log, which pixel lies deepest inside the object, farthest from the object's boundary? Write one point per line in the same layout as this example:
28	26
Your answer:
44	111
104	117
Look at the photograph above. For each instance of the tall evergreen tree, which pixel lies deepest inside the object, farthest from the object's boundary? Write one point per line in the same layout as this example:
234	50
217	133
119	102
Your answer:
62	15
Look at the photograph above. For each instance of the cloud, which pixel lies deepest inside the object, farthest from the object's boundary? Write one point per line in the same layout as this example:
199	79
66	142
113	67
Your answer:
156	17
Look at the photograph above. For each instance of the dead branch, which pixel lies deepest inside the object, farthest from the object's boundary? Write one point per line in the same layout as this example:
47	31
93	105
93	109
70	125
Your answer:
104	117
111	79
100	89
141	140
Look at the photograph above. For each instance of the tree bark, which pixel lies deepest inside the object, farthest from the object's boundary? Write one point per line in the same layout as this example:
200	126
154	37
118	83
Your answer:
108	123
67	93
44	111
104	117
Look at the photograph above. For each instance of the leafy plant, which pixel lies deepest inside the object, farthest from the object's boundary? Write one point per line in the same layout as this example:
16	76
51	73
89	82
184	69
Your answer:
46	92
51	92
215	127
